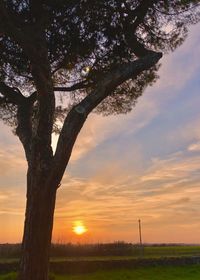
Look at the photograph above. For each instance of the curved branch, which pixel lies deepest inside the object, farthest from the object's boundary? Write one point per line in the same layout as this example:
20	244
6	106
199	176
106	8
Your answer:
77	116
178	13
24	113
129	28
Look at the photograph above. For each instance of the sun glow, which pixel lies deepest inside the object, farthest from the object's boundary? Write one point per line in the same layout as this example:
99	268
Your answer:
79	228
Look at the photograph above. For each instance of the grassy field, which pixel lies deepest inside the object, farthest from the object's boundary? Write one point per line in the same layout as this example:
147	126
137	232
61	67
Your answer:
170	251
148	252
189	272
143	273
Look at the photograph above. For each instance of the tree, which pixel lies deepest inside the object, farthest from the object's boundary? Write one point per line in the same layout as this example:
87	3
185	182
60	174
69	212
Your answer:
102	54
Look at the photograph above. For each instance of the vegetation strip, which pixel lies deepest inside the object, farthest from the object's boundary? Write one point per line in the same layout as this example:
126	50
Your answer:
189	272
85	266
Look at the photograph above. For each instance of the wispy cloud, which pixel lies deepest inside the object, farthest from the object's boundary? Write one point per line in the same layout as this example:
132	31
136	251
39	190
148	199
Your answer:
124	180
176	166
172	79
166	194
194	147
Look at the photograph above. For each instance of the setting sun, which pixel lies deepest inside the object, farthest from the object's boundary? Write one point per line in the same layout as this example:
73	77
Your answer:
79	228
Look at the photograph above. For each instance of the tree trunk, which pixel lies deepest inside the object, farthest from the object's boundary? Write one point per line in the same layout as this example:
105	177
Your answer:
38	229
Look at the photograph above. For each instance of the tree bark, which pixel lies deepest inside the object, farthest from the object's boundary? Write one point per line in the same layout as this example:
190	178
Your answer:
38	228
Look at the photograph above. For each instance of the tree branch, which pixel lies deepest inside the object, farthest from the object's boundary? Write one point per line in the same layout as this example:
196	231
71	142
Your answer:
11	95
2	100
140	12
129	26
24	114
24	126
31	39
77	116
74	87
137	48
8	24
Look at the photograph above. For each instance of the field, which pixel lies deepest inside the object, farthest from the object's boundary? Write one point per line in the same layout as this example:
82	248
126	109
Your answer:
118	261
145	252
191	272
71	252
150	273
170	251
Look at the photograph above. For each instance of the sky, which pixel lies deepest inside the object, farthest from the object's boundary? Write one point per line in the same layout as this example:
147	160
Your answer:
143	165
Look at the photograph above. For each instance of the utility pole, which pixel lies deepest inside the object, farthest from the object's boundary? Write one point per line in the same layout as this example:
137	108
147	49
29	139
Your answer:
140	232
140	237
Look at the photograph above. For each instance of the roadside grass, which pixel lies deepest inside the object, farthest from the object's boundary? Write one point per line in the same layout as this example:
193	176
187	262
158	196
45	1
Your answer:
188	272
151	273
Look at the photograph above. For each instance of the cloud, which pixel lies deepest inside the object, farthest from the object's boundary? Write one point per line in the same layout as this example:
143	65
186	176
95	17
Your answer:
166	195
98	129
194	147
176	166
11	161
122	184
13	175
180	66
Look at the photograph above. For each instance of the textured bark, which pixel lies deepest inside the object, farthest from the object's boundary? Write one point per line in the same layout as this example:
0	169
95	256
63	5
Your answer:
38	228
41	194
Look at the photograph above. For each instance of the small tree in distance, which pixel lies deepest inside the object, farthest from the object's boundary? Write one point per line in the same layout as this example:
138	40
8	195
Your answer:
102	54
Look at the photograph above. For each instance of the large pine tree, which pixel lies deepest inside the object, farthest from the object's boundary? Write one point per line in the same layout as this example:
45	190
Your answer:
102	54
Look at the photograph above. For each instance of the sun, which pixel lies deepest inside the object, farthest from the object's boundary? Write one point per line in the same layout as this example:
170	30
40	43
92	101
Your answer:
79	228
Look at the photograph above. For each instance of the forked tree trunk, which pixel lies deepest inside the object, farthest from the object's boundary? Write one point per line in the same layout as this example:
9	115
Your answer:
46	170
37	231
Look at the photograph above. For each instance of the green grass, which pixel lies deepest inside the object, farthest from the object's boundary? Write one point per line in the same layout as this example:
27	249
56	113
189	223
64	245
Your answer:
189	272
152	251
9	276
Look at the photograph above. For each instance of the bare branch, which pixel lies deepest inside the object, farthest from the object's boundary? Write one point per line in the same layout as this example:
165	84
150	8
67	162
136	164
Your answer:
178	13
74	87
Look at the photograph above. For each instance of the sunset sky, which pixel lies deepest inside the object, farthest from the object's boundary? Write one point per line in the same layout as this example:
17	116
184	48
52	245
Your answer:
145	164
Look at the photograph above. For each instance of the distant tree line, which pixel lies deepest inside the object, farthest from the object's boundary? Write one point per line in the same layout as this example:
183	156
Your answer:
118	248
74	250
99	249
